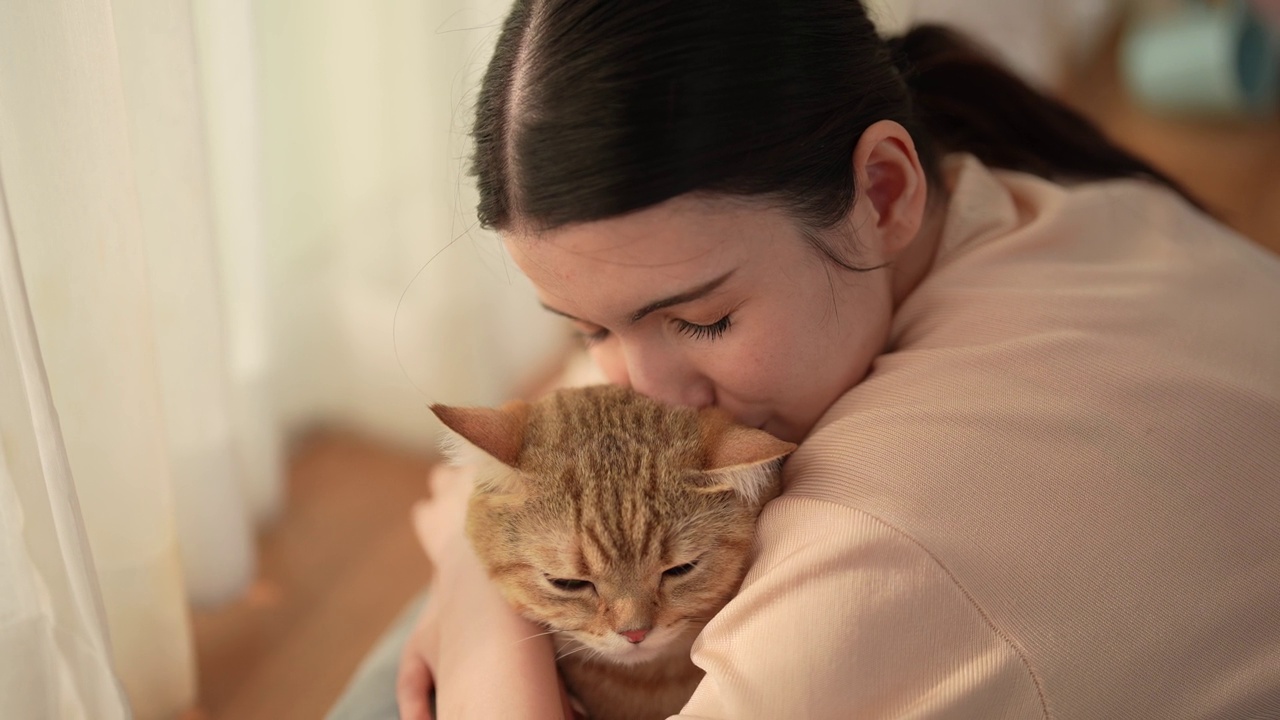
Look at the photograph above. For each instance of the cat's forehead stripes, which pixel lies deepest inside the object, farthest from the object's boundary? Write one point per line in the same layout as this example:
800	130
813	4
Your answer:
616	421
596	549
615	468
619	465
569	560
624	505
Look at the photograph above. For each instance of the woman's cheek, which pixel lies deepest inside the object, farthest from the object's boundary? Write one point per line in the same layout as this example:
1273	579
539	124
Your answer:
740	370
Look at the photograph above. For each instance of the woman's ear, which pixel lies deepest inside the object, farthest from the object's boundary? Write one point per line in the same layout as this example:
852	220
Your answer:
892	189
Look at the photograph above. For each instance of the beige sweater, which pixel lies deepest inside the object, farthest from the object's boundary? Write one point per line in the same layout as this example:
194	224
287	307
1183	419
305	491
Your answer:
1056	495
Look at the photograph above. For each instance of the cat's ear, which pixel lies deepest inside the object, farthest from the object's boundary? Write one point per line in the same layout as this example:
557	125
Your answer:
738	459
497	432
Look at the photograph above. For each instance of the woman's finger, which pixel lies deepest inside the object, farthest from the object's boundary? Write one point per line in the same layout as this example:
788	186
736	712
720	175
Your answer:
413	683
436	529
451	484
440	519
423	527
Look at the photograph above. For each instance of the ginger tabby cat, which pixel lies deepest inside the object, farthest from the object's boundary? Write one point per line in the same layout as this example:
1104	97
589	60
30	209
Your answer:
619	524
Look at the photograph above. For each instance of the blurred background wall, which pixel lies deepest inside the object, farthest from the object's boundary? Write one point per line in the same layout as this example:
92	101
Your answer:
364	110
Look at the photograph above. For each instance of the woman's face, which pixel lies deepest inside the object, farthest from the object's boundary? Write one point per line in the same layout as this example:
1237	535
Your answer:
712	301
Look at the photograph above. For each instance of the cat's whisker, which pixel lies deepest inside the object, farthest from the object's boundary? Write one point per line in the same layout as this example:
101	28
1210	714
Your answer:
549	632
571	652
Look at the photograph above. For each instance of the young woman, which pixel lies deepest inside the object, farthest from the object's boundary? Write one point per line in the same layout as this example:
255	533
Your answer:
1037	391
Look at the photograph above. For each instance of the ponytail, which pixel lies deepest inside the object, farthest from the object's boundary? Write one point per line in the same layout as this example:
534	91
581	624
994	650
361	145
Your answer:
967	102
591	109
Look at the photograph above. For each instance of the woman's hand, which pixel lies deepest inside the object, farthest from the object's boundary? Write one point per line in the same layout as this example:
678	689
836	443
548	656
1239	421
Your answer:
439	523
440	520
468	640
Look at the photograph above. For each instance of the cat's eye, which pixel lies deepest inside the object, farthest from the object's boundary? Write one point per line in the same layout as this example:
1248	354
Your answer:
679	570
569	585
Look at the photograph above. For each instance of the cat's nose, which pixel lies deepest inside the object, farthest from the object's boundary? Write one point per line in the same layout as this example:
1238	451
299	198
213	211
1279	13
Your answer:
635	636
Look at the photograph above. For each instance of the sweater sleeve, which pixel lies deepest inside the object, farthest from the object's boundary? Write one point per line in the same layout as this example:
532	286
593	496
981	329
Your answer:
843	616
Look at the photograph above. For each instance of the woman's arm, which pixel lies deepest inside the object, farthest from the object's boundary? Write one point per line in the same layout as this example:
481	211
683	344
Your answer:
844	616
484	660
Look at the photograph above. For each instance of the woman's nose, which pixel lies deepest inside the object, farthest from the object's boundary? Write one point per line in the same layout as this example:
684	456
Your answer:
665	376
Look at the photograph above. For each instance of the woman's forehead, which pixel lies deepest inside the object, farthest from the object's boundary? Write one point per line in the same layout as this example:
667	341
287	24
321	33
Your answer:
608	266
599	288
682	234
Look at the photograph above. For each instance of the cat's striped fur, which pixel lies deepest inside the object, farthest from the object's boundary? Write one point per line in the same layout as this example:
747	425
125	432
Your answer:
598	512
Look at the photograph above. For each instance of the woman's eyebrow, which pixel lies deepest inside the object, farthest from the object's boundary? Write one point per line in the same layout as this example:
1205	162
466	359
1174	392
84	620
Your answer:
561	313
690	295
696	293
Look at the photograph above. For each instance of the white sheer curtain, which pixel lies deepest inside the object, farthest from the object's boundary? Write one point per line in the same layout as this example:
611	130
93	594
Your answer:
365	108
218	215
195	376
76	200
55	661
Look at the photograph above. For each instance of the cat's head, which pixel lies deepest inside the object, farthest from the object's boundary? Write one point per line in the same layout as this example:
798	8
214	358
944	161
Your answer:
620	522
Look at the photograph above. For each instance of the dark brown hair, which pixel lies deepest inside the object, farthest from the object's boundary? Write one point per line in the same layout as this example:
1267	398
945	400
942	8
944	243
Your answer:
594	108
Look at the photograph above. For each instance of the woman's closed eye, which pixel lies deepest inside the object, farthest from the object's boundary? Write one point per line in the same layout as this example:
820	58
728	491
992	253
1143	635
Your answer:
705	332
592	336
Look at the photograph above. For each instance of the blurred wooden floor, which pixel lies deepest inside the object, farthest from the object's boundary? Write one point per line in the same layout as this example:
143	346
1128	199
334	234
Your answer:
1232	166
334	571
343	561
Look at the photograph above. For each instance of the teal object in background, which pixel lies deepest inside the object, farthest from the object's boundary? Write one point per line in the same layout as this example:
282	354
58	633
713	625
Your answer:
1219	60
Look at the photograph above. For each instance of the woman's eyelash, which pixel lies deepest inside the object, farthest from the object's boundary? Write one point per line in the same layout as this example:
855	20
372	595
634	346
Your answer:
693	330
705	332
